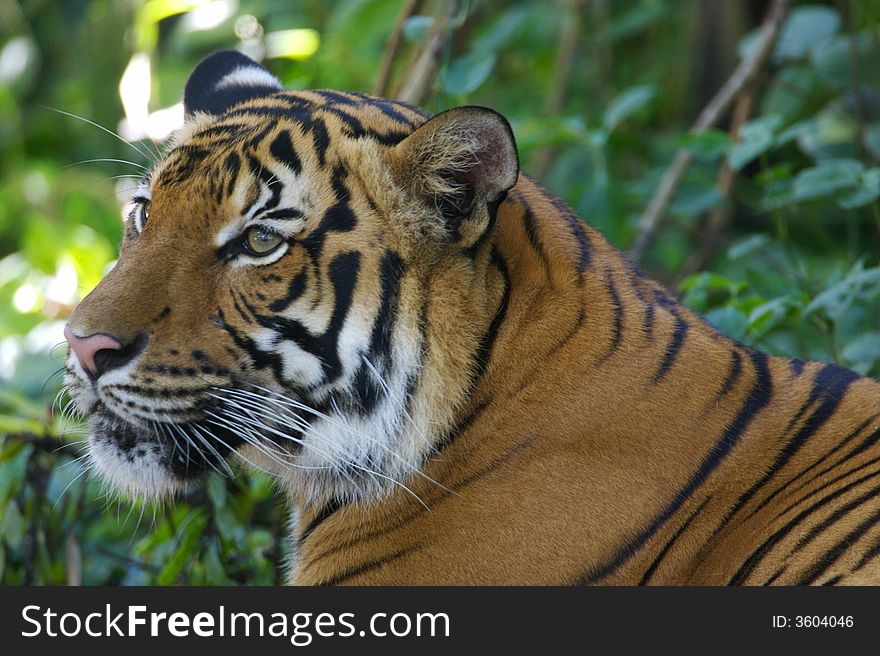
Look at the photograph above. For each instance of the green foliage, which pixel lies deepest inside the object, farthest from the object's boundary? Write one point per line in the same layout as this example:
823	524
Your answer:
795	271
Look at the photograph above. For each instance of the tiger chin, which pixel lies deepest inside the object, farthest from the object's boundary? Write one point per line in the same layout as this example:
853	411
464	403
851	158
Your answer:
453	378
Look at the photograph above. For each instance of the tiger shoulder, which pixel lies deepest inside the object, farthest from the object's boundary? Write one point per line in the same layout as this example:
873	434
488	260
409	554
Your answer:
454	378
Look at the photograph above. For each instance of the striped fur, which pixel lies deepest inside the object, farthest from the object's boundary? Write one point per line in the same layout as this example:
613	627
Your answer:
454	378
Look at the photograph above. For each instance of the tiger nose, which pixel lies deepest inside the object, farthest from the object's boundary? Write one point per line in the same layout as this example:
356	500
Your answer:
96	353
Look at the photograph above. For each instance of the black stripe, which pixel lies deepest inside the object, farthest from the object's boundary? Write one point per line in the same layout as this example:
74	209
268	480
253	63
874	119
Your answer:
757	556
266	177
660	556
617	330
281	149
294	290
232	165
871	439
244	315
868	556
460	426
338	218
261	359
398	521
775	576
531	230
365	391
732	376
343	274
576	226
830	385
320	139
263	111
181	164
493	465
221	132
369	565
648	321
570	335
258	136
353	127
759	396
826	485
337	97
389	108
865	444
390	273
674	346
484	350
833	519
324	514
833	554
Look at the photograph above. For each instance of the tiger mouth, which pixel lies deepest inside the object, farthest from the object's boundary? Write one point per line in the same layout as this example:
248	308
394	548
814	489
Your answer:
185	450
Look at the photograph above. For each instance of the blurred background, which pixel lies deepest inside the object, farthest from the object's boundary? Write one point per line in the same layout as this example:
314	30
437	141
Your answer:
733	147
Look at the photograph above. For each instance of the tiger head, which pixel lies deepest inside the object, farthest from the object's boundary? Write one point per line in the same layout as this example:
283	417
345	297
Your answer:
303	284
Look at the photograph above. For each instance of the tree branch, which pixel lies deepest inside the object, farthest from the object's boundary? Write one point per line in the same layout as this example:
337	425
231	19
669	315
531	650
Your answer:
410	8
739	80
569	38
720	216
421	73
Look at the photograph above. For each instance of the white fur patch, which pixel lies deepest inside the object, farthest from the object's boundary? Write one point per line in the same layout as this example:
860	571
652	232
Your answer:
249	76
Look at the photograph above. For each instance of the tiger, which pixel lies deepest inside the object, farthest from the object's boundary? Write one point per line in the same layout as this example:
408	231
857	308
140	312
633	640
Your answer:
452	377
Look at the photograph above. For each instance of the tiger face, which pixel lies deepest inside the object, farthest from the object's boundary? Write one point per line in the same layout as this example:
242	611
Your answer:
270	301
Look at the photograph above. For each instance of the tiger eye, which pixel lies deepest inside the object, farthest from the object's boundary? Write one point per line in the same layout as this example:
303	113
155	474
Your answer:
261	240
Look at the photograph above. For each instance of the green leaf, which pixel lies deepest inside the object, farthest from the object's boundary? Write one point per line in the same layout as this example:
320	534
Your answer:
13	526
627	104
766	316
790	92
872	139
827	178
832	59
468	72
633	20
707	146
216	486
227	525
805	27
867	192
707	289
215	573
859	285
793	132
13	469
748	246
831	134
728	320
755	138
502	29
863	351
416	28
185	550
694	202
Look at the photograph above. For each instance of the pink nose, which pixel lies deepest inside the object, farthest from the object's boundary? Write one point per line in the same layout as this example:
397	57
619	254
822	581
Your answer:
86	347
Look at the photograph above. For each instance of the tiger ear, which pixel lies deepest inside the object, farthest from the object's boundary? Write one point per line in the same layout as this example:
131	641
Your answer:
459	165
224	79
